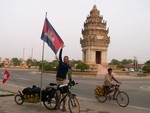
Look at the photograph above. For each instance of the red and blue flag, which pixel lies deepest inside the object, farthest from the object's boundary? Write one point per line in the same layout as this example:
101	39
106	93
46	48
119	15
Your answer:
6	76
51	37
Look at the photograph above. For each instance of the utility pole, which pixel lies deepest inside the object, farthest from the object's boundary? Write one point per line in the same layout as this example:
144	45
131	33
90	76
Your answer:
32	53
135	64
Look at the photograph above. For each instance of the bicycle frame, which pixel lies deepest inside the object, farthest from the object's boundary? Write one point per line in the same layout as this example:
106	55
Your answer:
68	92
121	97
116	90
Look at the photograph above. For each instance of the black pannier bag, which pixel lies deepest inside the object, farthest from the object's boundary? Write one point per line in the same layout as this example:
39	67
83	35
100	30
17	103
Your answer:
36	90
31	91
27	91
48	93
44	95
63	88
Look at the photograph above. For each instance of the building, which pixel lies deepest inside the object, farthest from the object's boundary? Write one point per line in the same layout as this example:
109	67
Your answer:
95	39
132	67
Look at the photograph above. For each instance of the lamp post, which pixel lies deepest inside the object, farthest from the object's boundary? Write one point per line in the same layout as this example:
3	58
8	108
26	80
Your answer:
135	64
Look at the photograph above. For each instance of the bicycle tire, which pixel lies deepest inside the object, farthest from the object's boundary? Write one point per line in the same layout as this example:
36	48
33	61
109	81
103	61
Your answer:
18	99
73	104
101	99
50	103
122	99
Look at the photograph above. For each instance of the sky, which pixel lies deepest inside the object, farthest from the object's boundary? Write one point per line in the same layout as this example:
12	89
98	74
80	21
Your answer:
21	23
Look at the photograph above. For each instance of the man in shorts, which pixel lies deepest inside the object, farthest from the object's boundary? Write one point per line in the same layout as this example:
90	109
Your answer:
109	77
62	74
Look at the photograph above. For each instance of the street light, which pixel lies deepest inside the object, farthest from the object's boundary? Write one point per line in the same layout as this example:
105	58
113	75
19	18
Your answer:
135	64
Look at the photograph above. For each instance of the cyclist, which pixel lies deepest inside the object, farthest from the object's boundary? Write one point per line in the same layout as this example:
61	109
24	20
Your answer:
61	74
109	77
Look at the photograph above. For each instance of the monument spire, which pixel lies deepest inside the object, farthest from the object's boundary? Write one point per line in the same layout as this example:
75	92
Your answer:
95	39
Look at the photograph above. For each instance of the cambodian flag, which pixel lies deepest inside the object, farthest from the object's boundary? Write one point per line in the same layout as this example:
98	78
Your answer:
6	76
51	37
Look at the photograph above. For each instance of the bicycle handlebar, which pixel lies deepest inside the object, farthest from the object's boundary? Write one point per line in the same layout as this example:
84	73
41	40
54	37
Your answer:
72	83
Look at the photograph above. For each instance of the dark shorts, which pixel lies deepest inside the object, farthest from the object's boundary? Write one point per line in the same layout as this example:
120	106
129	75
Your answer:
106	88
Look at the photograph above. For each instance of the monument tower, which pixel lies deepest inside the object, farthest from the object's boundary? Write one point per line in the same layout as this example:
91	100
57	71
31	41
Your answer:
95	39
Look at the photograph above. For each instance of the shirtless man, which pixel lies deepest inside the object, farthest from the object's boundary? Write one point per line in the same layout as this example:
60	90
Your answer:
109	77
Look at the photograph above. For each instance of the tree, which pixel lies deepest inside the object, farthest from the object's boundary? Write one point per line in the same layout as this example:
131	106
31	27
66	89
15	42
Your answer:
1	65
42	64
126	61
29	63
48	66
114	62
147	62
82	66
120	65
55	64
15	61
146	67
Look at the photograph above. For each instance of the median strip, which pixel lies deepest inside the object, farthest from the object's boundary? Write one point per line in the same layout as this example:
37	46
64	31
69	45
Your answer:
3	93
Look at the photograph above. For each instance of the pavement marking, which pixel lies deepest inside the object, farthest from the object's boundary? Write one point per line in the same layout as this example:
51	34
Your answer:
87	99
145	87
142	108
136	107
24	78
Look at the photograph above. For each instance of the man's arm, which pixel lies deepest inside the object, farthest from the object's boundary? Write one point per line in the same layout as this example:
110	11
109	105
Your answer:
70	74
60	55
115	80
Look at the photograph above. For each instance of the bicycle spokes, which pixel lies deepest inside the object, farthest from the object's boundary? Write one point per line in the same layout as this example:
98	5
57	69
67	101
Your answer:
73	104
122	99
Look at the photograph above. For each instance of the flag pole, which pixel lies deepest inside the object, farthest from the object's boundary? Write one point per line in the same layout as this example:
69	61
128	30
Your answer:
42	66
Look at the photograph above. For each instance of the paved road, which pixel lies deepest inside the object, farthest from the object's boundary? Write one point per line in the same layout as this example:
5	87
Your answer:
137	88
7	105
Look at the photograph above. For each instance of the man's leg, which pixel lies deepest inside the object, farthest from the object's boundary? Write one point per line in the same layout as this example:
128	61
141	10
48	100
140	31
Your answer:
108	90
58	94
114	95
64	103
58	99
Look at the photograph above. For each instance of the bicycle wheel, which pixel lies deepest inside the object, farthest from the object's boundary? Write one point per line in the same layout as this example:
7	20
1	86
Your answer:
122	99
50	103
101	99
73	105
18	99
